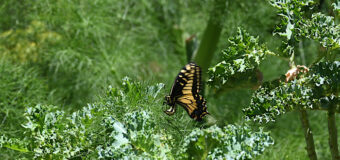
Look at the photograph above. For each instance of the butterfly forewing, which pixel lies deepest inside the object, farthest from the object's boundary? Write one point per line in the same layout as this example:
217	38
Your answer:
180	82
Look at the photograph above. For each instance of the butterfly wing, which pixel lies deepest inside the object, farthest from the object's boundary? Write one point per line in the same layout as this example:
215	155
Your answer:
176	90
193	103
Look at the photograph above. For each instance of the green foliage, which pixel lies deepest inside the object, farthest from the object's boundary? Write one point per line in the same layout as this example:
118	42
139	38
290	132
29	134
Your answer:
229	142
138	138
29	44
316	90
19	87
86	50
92	131
243	55
293	17
14	144
135	95
292	13
18	9
296	24
323	29
319	88
94	44
102	130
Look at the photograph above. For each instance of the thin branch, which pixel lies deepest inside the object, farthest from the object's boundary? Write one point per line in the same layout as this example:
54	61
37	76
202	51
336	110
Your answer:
333	135
308	135
337	110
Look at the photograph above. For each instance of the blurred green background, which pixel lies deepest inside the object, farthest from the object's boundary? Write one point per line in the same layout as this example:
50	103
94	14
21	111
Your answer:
66	53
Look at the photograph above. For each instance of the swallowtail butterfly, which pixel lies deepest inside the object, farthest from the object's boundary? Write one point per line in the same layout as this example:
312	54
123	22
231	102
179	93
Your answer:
185	92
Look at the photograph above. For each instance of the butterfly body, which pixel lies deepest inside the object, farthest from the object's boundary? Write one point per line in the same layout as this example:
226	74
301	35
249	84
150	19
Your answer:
185	92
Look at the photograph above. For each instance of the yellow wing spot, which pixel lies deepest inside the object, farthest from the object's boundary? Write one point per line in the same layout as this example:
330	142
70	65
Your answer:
189	75
181	83
180	76
187	99
189	110
187	87
186	91
183	71
187	67
189	102
190	81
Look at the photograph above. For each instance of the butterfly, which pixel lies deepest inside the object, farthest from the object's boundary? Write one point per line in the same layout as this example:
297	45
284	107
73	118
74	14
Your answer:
185	92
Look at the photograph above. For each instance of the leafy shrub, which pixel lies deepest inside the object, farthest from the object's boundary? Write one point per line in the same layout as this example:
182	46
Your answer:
315	90
229	142
103	130
297	24
323	29
18	87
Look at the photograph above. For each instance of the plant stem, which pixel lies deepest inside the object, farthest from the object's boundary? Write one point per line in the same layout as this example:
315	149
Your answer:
326	109
308	135
210	37
333	135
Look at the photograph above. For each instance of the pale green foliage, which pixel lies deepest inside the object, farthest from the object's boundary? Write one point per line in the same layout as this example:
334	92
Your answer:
229	142
105	130
291	12
296	24
52	134
14	144
316	90
243	55
323	29
138	138
19	87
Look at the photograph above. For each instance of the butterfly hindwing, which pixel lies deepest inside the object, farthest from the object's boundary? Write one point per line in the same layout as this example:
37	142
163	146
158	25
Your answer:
185	92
